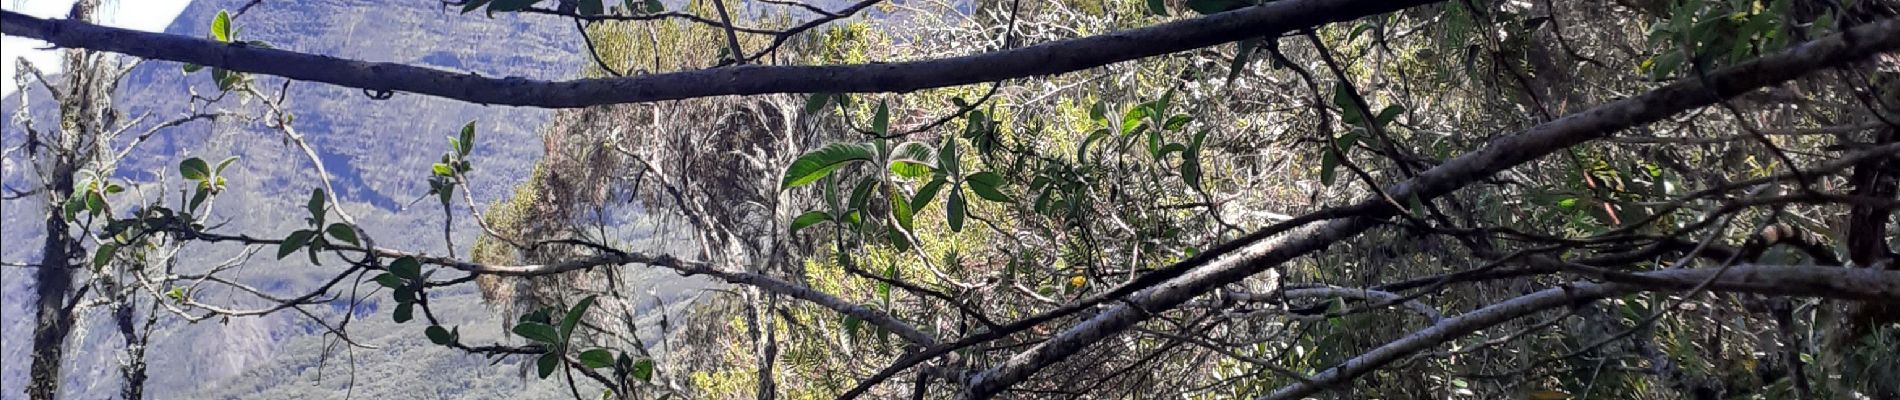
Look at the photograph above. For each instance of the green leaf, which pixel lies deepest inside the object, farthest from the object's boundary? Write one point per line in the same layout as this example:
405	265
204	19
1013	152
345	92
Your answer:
592	7
816	103
1343	97
197	198
900	209
342	232
912	160
510	5
1206	7
816	165
988	185
104	255
851	326
1171	148
573	317
467	142
1160	106
388	280
1247	47
897	239
405	311
597	358
545	365
654	6
444	191
808	219
1131	119
881	121
1387	115
1191	159
861	194
953	211
1329	161
194	169
473	5
176	294
295	241
224	164
438	335
71	209
1664	65
947	159
190	68
643	369
1177	122
1082	152
441	169
406	268
95	202
926	193
316	204
404	295
221	27
1157	7
883	287
225	78
538	332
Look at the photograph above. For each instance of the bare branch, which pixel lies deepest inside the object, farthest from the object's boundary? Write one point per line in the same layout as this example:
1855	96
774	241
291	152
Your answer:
1045	59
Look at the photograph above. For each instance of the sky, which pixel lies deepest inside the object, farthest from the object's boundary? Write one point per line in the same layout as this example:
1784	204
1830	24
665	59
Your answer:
144	15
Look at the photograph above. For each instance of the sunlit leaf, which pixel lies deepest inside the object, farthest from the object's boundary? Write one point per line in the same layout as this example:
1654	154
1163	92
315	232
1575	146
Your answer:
900	210
467	142
221	27
912	160
816	165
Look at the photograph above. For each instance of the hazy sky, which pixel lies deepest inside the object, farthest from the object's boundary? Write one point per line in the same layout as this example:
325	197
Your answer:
145	15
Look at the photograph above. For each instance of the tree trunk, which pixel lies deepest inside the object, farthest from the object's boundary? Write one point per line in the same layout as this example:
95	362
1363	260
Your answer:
54	280
54	277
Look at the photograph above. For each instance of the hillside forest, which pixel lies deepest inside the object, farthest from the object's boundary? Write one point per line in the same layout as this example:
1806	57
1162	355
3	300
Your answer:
957	199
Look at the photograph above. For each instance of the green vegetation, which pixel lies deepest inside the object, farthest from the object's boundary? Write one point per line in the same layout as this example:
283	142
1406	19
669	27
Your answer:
1453	200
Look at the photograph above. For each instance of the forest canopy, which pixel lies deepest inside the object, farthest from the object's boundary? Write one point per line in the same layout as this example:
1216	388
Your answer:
1200	199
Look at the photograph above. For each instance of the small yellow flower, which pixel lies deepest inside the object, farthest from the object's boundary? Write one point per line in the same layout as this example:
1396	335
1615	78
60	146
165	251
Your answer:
1078	281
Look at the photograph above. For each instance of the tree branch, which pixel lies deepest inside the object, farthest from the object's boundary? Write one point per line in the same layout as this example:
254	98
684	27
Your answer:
1830	282
1500	154
1040	60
